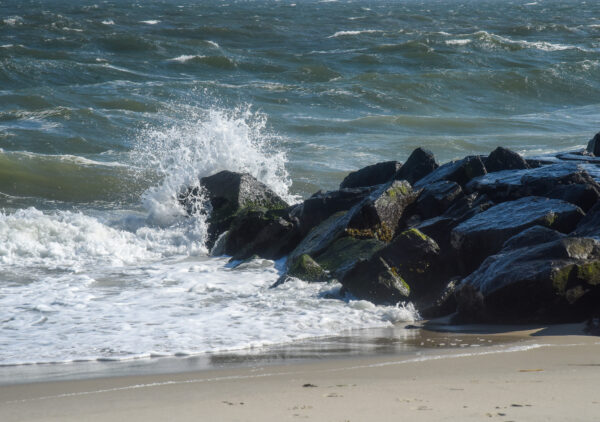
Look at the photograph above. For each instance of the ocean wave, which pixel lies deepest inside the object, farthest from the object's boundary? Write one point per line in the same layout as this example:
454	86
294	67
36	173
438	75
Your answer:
458	41
494	40
354	32
151	22
108	22
205	142
221	62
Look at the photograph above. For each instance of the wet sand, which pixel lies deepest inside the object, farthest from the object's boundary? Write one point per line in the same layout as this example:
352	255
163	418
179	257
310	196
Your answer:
551	374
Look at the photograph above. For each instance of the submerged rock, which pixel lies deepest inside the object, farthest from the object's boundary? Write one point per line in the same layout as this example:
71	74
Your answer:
419	164
372	175
554	281
485	233
305	268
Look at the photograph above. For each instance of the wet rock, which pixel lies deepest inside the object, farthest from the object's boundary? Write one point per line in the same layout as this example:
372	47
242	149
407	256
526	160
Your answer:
504	159
376	216
411	258
372	175
307	269
485	233
419	164
593	146
460	171
227	193
380	215
589	225
555	281
535	235
436	198
345	252
570	182
265	233
442	305
321	206
376	281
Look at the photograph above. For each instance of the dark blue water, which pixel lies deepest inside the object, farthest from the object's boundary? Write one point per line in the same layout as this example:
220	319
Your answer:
107	108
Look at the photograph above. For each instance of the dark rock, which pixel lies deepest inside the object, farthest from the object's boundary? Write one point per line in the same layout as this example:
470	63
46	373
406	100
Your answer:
305	268
589	225
372	175
504	159
535	235
485	233
555	281
376	281
268	234
436	198
344	252
593	146
376	216
321	206
570	182
460	171
419	164
442	305
411	258
228	193
379	216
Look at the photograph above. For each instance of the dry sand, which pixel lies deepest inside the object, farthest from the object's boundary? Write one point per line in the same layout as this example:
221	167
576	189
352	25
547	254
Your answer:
548	377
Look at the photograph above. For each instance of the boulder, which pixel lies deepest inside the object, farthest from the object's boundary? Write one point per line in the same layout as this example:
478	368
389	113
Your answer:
321	206
419	164
383	284
589	225
556	281
593	146
570	182
459	171
345	252
265	233
305	268
504	159
376	216
436	198
372	175
227	193
380	215
411	258
484	234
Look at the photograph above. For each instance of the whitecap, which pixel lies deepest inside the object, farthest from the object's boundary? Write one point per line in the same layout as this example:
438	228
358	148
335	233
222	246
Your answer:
214	44
458	42
108	22
185	58
349	33
150	22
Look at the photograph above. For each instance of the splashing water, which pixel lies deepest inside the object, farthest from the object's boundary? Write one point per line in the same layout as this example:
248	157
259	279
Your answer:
206	142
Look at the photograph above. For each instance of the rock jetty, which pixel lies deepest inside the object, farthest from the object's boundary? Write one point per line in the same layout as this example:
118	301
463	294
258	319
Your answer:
496	238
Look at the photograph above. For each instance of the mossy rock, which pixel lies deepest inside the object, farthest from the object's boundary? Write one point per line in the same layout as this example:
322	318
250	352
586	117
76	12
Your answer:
344	252
305	268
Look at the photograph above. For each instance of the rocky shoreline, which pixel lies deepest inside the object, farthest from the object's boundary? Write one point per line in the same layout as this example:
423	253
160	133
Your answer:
495	238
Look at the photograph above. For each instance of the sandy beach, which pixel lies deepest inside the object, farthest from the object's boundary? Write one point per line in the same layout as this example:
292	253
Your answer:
552	375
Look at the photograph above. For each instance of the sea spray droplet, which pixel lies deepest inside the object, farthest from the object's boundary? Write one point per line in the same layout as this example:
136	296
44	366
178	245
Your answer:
202	143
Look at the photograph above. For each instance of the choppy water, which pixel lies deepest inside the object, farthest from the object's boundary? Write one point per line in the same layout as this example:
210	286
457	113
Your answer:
107	108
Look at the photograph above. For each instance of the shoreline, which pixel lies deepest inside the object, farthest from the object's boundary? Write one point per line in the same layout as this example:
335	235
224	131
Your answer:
529	378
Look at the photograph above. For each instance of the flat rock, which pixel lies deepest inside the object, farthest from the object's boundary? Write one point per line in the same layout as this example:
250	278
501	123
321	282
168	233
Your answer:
372	175
571	182
485	233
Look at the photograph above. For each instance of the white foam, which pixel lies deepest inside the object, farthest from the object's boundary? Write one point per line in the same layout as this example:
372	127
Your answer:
539	45
151	22
214	44
185	58
203	143
349	33
458	42
13	20
108	22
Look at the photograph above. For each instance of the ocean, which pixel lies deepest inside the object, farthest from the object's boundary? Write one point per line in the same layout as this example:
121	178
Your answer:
109	108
